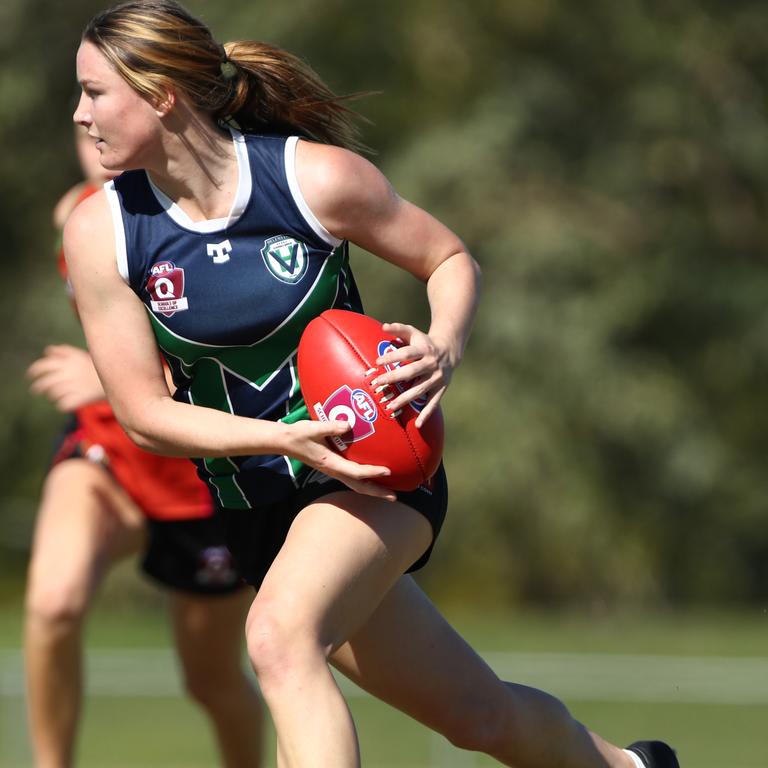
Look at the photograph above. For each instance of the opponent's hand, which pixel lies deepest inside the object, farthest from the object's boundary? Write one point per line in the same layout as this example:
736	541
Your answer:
66	376
427	373
308	441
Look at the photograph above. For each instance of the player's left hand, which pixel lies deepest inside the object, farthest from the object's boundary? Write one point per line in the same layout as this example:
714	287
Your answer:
426	375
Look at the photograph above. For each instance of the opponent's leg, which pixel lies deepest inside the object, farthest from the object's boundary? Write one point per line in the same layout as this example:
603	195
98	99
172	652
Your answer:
341	556
407	655
209	640
85	523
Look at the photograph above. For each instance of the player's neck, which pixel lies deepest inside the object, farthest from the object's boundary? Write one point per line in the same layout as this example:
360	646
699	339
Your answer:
198	170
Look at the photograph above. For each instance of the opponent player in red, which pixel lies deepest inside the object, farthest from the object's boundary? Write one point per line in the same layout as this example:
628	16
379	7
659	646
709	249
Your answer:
225	237
105	499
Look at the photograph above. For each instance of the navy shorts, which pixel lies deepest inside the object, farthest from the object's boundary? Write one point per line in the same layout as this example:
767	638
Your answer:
255	536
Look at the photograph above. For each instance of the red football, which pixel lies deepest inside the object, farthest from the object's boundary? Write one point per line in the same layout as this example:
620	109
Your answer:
337	361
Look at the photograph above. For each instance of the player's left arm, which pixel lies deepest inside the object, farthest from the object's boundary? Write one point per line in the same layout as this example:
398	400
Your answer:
354	201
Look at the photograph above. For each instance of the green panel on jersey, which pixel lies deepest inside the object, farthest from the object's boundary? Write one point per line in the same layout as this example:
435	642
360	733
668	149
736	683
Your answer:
227	489
256	363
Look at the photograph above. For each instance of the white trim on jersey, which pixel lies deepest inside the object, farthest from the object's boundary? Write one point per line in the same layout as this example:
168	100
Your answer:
298	197
121	253
204	345
242	196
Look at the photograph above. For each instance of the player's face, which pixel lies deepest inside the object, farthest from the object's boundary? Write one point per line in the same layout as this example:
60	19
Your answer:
124	125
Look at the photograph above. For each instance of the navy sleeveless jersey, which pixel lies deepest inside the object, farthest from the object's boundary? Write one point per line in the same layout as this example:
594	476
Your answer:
229	298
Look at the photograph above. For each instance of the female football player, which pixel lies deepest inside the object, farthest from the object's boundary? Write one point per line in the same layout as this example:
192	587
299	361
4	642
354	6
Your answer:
234	152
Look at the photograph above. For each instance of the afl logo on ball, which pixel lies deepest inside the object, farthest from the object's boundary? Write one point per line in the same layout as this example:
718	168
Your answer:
356	407
417	404
166	289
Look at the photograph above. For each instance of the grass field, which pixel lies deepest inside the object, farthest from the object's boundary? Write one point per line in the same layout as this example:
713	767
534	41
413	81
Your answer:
700	682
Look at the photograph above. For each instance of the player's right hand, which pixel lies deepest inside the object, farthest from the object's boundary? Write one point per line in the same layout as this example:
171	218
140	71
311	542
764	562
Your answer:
66	376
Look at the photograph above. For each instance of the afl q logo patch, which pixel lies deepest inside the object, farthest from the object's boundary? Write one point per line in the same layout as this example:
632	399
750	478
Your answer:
285	258
356	407
166	289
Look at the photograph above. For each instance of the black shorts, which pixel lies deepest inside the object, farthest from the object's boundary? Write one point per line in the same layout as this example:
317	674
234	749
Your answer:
191	556
188	555
255	536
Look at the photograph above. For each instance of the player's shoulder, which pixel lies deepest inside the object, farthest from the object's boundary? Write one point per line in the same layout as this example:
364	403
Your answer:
337	182
89	225
331	164
89	213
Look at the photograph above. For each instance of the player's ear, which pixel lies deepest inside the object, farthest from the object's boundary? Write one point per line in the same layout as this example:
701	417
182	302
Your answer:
166	104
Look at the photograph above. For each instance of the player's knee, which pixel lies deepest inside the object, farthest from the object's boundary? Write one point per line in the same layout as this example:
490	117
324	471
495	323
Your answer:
269	649
55	605
277	648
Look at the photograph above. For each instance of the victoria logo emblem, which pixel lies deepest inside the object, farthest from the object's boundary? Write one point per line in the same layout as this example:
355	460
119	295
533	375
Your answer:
286	258
166	289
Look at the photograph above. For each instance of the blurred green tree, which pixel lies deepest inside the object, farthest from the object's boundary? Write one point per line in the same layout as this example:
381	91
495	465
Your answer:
606	163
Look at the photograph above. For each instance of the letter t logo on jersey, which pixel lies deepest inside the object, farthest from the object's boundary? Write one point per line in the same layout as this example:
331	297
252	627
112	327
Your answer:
220	251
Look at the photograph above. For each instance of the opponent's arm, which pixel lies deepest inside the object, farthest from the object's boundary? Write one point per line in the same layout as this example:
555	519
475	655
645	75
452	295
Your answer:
354	201
125	354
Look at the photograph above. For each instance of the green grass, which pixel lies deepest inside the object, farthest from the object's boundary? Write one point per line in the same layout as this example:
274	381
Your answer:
167	731
136	733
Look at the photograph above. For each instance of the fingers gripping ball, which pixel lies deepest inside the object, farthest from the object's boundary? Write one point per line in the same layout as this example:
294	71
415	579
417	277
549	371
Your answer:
337	362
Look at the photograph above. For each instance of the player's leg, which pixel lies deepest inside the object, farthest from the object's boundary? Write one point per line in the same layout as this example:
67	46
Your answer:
85	523
209	640
407	655
341	556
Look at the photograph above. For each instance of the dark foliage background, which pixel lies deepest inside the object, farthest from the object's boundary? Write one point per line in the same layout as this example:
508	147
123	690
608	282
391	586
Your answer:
606	163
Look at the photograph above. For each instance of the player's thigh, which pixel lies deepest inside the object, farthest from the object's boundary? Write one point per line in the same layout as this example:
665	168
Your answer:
408	655
208	629
85	521
341	556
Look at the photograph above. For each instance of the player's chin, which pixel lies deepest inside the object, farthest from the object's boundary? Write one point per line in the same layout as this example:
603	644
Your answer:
109	163
109	159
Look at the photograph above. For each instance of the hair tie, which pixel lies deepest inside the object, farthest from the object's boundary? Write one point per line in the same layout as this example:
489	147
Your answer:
227	67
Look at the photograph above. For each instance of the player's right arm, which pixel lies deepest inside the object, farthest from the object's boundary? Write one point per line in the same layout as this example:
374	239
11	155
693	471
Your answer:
124	351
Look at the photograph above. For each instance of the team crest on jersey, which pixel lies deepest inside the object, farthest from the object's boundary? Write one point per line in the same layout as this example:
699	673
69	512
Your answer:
286	258
356	407
417	404
166	289
215	568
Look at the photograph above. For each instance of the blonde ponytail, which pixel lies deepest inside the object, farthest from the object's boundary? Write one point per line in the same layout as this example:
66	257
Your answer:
274	90
157	45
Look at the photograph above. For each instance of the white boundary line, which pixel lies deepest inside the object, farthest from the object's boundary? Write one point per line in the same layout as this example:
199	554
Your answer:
153	672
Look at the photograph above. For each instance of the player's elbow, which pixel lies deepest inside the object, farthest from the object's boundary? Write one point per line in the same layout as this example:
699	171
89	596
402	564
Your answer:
143	433
143	439
467	272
